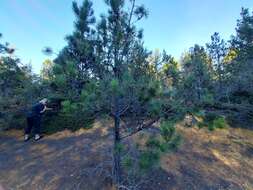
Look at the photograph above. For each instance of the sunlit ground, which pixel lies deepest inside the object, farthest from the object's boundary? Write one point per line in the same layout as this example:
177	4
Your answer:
222	159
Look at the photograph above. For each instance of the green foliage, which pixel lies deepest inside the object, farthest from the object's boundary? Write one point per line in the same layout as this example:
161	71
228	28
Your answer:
155	147
167	130
220	123
239	70
208	98
105	70
211	116
69	108
119	147
210	126
171	72
153	143
71	69
217	50
172	139
149	159
127	162
196	85
155	106
60	81
54	123
18	89
213	121
169	140
175	142
46	72
242	42
57	69
115	86
201	125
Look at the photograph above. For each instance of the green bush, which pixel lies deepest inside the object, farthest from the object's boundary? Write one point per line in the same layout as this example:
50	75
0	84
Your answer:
59	122
211	127
208	99
153	143
154	107
70	115
201	125
211	116
149	159
214	121
167	130
220	123
175	142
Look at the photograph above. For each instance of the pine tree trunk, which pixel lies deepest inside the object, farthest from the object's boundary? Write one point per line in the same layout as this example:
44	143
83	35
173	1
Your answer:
116	154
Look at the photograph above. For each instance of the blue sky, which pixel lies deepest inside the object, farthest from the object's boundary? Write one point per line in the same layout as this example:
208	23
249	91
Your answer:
173	25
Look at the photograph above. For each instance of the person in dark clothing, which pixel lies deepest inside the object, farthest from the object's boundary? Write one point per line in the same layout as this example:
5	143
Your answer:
34	119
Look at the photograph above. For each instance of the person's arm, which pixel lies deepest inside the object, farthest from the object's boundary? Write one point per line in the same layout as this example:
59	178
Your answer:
48	108
45	109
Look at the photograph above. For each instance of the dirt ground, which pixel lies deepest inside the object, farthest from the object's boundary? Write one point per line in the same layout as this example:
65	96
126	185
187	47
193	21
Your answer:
59	161
219	160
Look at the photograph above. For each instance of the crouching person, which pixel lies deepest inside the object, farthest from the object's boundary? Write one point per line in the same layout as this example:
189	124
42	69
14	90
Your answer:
33	118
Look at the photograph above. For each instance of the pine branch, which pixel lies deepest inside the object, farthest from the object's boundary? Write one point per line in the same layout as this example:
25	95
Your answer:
142	127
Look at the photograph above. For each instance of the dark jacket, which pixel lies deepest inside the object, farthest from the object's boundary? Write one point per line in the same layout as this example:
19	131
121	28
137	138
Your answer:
35	110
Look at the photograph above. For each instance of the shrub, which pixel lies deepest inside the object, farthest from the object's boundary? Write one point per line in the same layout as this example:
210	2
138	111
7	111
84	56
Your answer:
149	159
153	143
175	142
214	121
220	123
201	125
210	116
211	127
167	130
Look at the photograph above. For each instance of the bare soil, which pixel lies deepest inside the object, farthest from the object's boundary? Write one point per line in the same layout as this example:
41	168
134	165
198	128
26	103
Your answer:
219	160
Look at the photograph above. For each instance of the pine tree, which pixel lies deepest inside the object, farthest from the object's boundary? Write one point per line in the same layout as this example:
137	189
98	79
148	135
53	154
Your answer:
243	41
104	70
196	76
217	50
120	43
46	72
240	70
74	64
172	72
16	84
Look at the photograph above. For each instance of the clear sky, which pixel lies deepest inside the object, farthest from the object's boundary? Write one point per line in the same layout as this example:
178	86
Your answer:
173	25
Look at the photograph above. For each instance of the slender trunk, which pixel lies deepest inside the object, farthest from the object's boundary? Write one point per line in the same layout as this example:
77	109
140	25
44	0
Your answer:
219	75
116	154
199	90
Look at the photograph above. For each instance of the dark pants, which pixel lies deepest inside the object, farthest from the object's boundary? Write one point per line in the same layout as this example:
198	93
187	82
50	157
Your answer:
35	122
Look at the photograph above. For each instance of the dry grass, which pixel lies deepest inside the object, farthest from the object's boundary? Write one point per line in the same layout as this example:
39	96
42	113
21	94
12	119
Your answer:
218	160
222	159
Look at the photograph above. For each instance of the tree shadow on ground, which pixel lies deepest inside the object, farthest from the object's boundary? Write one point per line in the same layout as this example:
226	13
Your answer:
219	160
59	161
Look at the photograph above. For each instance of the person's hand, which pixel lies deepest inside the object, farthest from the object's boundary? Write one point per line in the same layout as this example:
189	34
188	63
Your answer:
49	108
